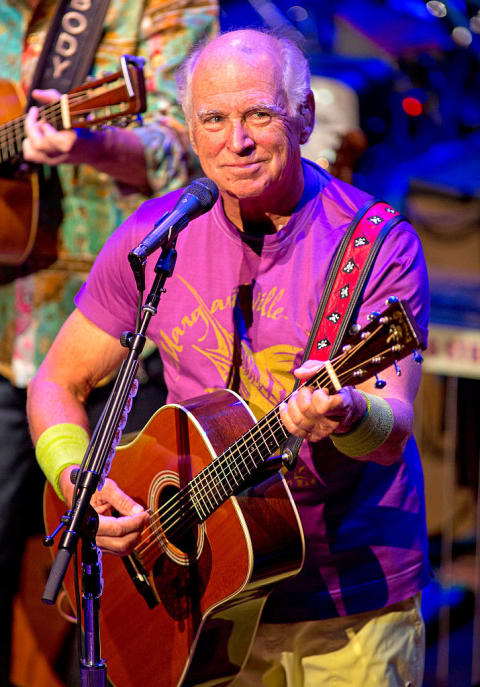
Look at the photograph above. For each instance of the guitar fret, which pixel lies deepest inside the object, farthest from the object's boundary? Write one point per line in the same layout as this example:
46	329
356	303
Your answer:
20	135
206	496
259	436
281	434
209	482
220	468
196	501
243	461
218	497
274	436
11	137
250	454
234	466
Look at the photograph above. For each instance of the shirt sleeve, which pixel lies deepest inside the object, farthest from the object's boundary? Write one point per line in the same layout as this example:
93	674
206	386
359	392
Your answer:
109	296
399	270
168	33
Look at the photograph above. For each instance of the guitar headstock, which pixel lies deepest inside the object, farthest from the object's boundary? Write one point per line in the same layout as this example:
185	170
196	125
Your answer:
389	337
116	96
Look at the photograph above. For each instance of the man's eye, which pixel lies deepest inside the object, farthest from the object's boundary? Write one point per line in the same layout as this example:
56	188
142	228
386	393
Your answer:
213	119
260	117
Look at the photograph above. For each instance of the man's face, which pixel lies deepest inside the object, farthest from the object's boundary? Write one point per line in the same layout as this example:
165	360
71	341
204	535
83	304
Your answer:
240	127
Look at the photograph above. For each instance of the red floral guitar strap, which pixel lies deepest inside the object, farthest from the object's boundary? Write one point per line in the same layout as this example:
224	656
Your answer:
345	283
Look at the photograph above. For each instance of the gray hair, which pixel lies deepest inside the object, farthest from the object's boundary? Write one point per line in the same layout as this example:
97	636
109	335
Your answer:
296	73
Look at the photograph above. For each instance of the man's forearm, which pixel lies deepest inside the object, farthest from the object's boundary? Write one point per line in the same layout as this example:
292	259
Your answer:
49	404
59	428
116	152
381	435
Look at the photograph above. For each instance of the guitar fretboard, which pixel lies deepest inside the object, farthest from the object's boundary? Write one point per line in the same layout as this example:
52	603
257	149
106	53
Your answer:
12	134
235	466
240	461
386	339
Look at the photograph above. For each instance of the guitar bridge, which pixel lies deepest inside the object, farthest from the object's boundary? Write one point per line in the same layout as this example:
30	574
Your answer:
140	580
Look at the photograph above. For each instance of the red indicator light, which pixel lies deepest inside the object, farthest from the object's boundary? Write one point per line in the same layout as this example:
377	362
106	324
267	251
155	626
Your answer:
412	106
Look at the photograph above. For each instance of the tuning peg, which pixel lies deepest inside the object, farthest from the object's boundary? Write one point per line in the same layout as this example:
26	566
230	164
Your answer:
373	315
380	383
391	299
354	329
417	356
398	371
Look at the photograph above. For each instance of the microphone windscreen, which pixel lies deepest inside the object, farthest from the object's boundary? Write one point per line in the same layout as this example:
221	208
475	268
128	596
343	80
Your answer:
205	191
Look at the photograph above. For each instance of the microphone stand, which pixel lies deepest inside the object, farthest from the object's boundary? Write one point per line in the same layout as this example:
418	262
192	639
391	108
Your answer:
81	522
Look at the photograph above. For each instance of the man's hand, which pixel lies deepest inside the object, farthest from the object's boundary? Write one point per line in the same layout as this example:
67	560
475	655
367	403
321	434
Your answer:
44	144
113	151
118	535
310	414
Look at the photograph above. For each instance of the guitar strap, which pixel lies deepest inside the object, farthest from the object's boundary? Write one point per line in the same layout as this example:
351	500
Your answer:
345	283
70	45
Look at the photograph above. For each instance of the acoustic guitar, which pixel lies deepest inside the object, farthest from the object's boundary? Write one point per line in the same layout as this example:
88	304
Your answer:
224	530
112	98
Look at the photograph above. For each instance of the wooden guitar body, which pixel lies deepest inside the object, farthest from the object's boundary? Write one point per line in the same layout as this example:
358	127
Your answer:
183	608
209	583
26	228
19	195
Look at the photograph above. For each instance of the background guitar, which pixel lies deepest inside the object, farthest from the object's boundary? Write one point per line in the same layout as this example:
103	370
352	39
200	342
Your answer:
183	608
115	97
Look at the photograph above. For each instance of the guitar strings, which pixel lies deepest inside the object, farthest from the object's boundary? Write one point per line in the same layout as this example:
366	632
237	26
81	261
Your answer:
181	503
184	525
222	462
44	110
14	131
258	431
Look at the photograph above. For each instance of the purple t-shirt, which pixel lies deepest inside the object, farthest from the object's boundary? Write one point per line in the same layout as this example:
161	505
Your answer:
251	299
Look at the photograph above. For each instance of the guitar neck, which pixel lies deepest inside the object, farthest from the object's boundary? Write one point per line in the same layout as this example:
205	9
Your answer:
12	133
235	466
388	338
97	103
242	460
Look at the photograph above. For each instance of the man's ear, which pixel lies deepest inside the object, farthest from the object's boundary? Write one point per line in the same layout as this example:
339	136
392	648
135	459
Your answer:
191	135
307	113
192	140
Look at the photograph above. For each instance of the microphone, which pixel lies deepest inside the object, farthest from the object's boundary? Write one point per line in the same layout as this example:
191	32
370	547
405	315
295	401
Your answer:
199	197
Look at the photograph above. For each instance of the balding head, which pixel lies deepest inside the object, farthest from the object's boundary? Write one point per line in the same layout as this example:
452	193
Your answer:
243	124
254	47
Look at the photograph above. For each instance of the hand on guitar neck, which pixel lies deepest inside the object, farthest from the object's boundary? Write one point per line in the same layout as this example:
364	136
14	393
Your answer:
60	130
117	152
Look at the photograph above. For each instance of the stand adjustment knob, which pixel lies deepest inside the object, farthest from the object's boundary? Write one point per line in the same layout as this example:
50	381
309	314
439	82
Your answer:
126	339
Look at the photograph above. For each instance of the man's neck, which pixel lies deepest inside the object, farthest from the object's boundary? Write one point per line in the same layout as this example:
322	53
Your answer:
263	215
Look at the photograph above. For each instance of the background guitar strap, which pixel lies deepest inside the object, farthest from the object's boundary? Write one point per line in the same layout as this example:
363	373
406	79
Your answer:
345	283
66	58
70	45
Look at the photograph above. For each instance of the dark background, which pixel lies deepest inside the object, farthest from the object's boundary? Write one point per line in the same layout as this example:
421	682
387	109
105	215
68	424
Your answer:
413	69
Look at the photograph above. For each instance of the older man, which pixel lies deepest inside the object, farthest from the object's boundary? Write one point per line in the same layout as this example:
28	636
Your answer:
237	313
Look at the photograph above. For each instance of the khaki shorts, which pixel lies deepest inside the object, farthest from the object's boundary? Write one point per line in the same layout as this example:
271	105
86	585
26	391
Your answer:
383	648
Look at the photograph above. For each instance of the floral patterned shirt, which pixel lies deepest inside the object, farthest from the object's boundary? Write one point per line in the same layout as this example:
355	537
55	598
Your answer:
36	299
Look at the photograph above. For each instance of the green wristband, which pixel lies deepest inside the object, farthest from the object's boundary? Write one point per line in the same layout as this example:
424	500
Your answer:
58	447
372	431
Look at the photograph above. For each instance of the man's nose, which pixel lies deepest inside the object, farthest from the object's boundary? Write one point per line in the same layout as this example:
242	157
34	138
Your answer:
239	138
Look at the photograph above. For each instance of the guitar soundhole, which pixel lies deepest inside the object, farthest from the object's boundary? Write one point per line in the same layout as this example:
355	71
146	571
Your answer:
175	521
177	530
